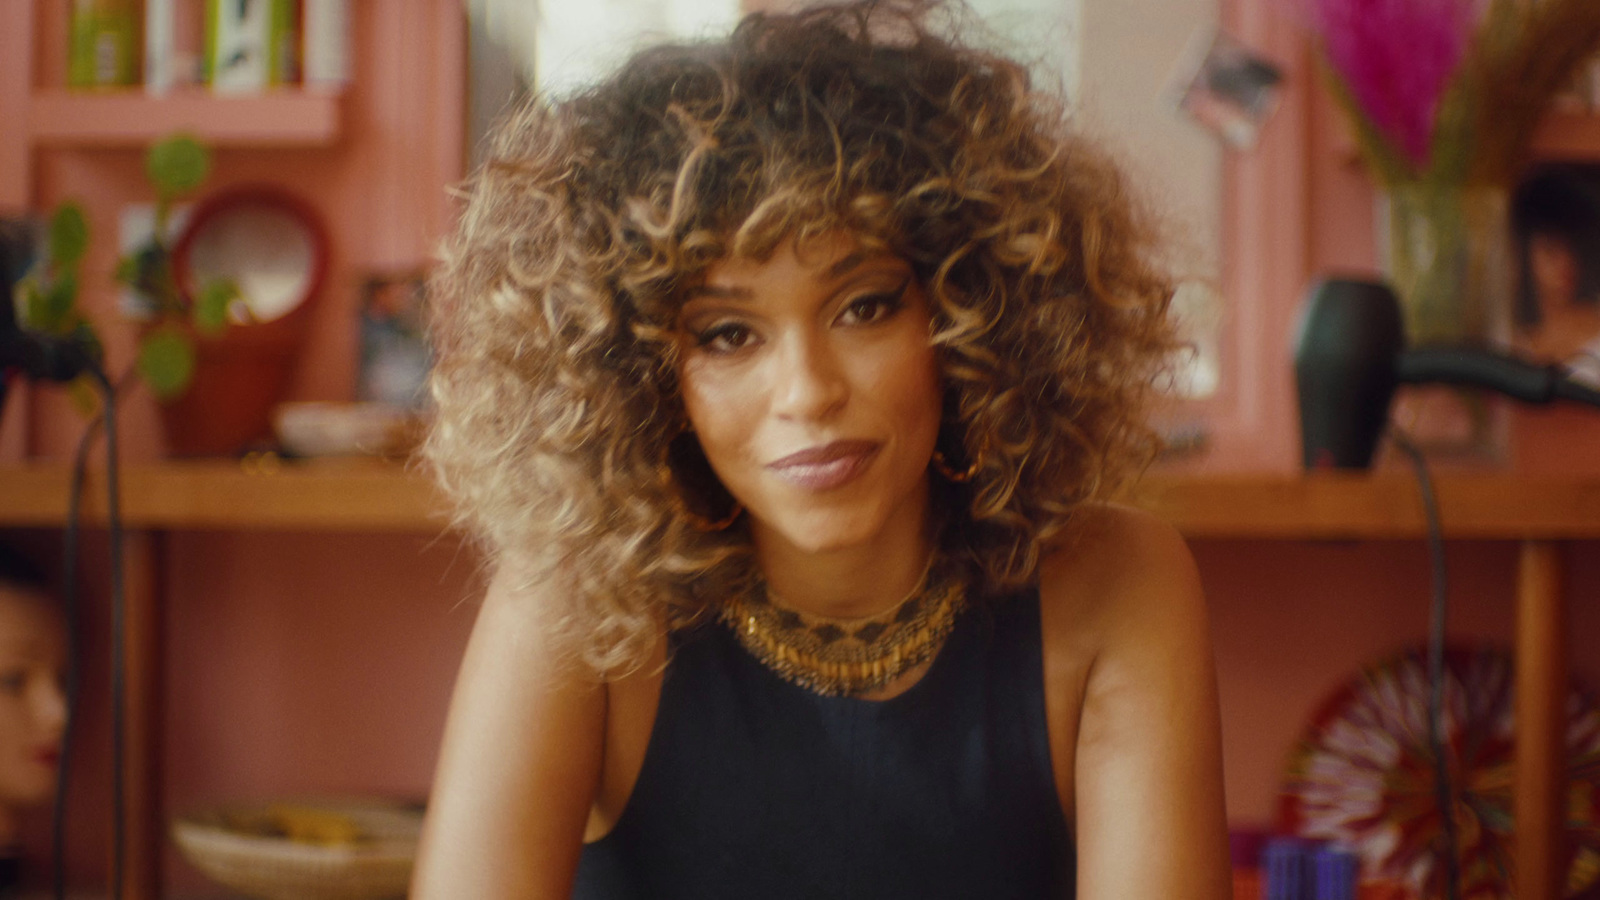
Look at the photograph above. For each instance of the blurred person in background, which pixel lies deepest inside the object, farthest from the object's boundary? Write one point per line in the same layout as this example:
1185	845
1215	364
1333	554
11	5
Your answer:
33	708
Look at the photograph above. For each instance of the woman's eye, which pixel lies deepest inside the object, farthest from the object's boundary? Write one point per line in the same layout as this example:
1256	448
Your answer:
12	681
725	338
874	307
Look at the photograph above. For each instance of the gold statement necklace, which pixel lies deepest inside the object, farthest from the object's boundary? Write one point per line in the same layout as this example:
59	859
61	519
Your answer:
842	657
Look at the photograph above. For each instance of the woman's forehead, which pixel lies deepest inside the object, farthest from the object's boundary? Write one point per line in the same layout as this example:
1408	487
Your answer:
27	615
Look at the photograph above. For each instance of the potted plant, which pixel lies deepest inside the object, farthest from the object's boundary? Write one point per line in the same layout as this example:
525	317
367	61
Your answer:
165	358
215	371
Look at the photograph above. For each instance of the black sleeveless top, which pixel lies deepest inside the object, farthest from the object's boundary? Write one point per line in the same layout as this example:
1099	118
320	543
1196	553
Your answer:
756	789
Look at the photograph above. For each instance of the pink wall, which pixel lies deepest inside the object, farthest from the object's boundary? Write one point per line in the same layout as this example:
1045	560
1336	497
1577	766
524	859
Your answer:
305	663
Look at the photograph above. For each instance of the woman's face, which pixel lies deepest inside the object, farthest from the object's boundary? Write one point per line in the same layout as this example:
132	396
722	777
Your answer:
33	710
814	390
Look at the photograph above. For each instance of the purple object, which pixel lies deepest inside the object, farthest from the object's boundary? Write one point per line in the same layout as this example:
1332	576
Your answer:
1286	870
1336	870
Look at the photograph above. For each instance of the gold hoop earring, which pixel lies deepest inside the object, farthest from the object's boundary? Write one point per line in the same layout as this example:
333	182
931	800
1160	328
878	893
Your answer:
706	526
961	476
942	466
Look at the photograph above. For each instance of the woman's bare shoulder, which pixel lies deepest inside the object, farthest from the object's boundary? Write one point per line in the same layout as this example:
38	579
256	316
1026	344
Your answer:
1123	614
1119	565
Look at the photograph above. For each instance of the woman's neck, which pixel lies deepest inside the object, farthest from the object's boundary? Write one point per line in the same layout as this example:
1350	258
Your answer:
846	583
10	828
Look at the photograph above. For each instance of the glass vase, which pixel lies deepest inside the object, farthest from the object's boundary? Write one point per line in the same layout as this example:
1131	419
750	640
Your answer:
1450	262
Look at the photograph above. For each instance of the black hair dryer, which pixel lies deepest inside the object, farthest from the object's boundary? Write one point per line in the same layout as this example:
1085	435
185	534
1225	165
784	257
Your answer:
1350	355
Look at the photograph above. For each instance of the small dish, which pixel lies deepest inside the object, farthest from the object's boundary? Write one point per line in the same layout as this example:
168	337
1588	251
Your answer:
348	849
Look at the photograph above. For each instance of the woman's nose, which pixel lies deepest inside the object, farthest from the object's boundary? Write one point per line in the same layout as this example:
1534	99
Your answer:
810	382
50	705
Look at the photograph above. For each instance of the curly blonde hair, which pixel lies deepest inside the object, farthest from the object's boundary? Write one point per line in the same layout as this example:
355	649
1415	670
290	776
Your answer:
555	308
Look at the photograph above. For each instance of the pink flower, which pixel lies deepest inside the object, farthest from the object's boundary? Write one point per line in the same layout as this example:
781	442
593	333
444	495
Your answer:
1397	58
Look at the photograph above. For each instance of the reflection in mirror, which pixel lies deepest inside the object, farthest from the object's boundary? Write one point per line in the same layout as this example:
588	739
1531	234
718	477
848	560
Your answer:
33	708
1555	218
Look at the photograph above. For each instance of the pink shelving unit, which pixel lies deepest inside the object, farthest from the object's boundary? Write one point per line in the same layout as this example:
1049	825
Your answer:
288	118
1569	136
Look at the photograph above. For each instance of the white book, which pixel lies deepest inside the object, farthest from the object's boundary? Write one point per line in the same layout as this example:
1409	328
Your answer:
159	62
240	42
325	47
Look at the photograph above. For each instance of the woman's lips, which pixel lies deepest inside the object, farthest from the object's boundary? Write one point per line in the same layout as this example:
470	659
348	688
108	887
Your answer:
47	756
826	467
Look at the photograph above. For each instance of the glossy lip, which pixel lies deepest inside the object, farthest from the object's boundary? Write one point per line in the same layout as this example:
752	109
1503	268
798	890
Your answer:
827	466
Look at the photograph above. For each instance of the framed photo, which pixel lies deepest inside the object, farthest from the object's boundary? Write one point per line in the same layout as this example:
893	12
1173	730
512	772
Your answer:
1555	224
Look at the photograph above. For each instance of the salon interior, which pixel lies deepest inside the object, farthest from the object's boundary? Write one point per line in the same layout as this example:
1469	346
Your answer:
280	610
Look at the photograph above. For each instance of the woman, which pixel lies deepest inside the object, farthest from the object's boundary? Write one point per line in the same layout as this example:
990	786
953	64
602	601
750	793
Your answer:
784	379
33	709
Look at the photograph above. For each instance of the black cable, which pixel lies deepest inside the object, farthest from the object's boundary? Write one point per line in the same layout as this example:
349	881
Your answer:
74	673
1444	795
70	596
118	618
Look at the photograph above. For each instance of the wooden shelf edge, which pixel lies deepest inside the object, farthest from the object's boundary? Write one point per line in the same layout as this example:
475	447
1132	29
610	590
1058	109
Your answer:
282	118
368	495
334	495
1359	506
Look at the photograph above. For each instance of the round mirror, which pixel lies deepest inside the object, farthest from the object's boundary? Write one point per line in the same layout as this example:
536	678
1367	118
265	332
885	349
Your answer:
268	243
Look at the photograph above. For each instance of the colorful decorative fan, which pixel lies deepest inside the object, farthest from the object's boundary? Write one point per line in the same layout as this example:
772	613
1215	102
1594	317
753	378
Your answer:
1363	775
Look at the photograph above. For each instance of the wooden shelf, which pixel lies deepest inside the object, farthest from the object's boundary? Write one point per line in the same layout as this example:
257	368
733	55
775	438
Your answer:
332	495
286	118
367	495
1387	505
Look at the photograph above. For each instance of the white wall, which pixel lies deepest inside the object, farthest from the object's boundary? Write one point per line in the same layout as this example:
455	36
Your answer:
1129	51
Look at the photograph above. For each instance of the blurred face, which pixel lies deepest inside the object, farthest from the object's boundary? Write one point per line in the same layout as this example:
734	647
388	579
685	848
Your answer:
33	710
1554	268
814	391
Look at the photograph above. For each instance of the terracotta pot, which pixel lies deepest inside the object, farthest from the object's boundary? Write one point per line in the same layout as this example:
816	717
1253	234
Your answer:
241	374
239	377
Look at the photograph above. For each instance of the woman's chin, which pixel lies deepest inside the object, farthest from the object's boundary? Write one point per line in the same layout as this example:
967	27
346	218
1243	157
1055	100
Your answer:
826	533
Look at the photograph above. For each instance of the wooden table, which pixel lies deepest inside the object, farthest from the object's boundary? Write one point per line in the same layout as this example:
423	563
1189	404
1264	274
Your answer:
365	496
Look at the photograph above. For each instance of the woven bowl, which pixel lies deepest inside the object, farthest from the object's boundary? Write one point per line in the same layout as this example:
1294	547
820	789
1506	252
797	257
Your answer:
231	846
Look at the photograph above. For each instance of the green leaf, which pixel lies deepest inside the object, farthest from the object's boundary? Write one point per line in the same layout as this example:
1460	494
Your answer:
166	362
69	235
85	395
177	165
127	271
31	309
211	308
59	301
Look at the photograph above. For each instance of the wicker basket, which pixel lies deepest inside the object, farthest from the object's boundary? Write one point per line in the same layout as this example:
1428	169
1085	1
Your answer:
271	867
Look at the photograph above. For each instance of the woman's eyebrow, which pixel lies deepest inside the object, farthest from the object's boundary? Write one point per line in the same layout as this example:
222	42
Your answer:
852	261
846	263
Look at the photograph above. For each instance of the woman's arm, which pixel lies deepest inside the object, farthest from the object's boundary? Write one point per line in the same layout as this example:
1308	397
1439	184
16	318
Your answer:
519	765
1147	760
